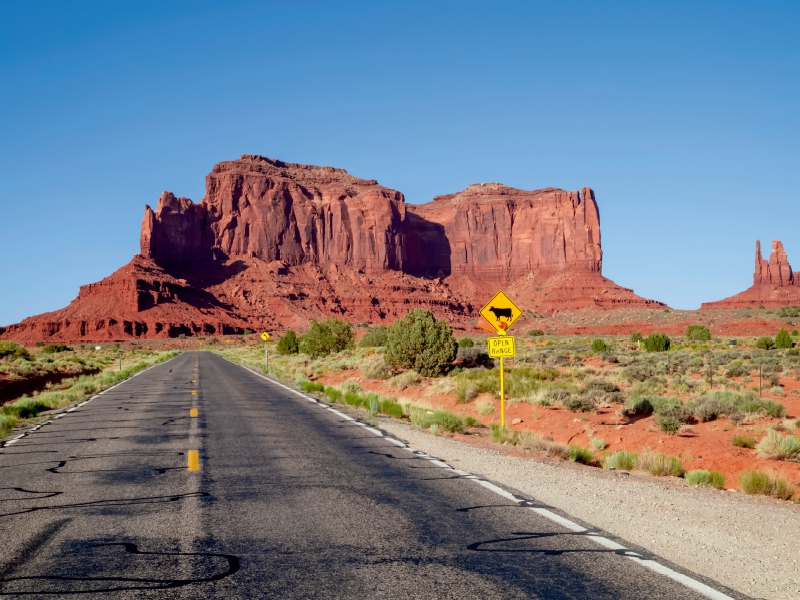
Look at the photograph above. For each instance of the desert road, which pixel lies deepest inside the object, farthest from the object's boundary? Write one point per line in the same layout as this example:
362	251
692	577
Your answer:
201	479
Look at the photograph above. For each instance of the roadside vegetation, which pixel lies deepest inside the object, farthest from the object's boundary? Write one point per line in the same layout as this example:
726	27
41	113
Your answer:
57	360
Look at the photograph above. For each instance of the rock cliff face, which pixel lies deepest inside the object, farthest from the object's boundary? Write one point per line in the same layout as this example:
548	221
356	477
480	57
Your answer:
774	283
275	244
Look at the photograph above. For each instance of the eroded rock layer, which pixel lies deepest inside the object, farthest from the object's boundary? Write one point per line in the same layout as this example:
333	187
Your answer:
276	244
774	283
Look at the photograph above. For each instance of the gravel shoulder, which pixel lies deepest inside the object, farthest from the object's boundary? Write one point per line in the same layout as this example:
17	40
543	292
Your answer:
748	543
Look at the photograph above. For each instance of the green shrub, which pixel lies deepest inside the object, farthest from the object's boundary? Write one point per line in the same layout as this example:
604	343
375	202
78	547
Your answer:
485	407
441	418
419	342
378	371
757	482
579	403
25	408
471	422
597	443
638	405
55	348
405	380
636	337
703	477
7	423
333	394
734	405
599	345
698	333
581	455
743	441
288	344
374	337
778	447
657	342
535	333
795	333
668	424
659	464
326	337
392	409
622	460
14	350
465	343
310	386
783	339
765	343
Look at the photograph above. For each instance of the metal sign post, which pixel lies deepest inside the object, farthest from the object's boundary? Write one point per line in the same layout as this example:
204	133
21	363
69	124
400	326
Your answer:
265	337
501	313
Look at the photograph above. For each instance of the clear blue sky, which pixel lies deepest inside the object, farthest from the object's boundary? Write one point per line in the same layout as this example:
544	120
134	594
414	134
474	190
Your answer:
683	116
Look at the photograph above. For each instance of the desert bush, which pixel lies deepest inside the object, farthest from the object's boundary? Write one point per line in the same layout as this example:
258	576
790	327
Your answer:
288	344
703	477
579	403
378	371
332	335
485	407
471	422
418	341
777	447
441	418
783	339
638	405
531	440
668	424
581	455
374	337
698	333
333	394
765	343
636	337
657	342
622	460
466	343
743	441
659	464
405	380
789	312
599	345
474	357
597	443
477	382
726	403
502	435
55	348
310	386
535	333
13	350
757	482
7	423
600	385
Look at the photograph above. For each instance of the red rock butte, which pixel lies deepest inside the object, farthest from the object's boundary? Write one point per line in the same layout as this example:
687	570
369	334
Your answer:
774	283
274	245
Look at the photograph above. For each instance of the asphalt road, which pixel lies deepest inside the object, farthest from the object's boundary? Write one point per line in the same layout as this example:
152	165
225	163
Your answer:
289	500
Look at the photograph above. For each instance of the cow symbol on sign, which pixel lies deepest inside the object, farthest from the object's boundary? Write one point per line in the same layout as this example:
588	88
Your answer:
501	312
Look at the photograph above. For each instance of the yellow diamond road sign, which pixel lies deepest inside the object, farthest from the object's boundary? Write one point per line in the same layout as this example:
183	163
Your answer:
501	347
265	336
501	312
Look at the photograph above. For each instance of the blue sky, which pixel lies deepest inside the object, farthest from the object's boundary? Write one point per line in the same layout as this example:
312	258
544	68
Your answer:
683	117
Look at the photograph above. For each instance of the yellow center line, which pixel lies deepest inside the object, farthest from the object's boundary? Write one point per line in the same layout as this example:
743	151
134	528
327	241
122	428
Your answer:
194	460
193	412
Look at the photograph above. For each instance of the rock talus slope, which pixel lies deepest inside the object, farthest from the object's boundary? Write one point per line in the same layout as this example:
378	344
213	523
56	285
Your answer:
774	283
275	244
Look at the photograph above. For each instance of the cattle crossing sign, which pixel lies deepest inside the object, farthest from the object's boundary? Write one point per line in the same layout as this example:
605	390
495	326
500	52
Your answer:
501	312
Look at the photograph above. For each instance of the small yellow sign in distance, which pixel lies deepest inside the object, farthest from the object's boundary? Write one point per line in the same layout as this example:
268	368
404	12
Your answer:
502	347
501	312
194	392
192	412
265	336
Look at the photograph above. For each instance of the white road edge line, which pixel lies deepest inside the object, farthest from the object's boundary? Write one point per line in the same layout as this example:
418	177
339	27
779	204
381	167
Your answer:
685	580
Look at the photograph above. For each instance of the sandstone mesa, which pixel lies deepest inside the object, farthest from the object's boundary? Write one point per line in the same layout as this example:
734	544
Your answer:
273	245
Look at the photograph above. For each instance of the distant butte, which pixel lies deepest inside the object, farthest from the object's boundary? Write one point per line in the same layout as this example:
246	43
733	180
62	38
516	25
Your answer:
275	244
774	283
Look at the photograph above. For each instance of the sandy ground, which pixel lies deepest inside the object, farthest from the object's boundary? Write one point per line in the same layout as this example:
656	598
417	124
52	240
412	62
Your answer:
751	544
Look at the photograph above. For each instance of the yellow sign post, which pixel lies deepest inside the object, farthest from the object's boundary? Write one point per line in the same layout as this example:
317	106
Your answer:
501	313
265	337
